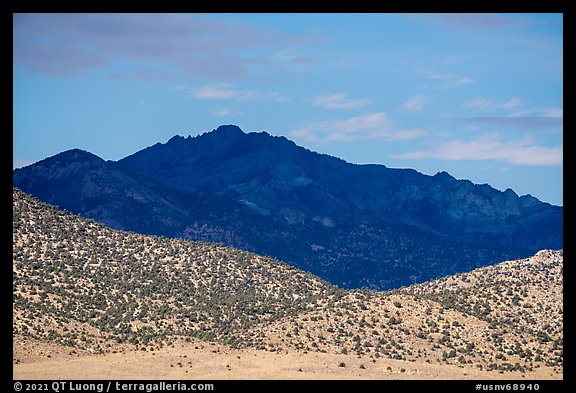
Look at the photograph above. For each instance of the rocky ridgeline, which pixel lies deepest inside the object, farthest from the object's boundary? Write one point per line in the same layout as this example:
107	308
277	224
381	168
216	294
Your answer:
353	225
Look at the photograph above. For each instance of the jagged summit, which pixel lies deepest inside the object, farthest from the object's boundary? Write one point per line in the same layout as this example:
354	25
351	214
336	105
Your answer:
354	225
443	175
223	136
229	130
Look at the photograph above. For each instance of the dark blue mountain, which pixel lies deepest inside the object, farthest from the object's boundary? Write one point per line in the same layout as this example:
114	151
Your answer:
354	225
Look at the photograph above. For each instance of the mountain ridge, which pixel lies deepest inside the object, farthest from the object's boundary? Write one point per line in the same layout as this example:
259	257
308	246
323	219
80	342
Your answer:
355	225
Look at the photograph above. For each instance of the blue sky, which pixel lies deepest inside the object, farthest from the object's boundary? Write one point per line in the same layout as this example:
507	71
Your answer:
476	95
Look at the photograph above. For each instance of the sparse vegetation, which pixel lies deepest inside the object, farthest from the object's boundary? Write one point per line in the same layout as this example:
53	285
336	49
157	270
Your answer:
76	281
85	286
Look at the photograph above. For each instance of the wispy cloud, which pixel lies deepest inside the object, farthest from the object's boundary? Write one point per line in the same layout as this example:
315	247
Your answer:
221	112
220	92
224	91
339	101
459	81
556	113
365	127
488	104
471	20
491	147
67	44
518	116
532	122
444	80
414	104
511	103
143	74
290	55
477	102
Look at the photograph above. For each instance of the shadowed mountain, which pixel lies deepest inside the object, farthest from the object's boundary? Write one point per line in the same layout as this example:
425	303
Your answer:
354	225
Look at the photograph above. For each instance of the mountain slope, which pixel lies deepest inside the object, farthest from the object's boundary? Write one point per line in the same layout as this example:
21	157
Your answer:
354	225
274	174
81	182
77	281
83	285
506	317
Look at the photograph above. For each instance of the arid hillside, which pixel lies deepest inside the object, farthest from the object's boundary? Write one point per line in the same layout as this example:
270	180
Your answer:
88	293
506	318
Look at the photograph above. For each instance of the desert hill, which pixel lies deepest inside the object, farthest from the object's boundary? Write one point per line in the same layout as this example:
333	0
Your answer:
507	317
85	291
82	284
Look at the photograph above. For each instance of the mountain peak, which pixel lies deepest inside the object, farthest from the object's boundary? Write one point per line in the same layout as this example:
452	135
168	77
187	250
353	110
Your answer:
174	139
71	156
221	138
229	130
80	154
443	175
225	134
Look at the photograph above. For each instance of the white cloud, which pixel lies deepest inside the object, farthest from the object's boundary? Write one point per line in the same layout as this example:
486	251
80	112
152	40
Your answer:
553	112
66	44
219	92
365	127
290	55
463	81
414	104
488	104
478	102
543	114
511	103
339	101
435	75
224	91
221	112
534	122
470	20
492	147
446	80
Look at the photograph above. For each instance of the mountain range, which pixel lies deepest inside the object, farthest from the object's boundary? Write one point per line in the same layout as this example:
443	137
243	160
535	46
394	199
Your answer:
352	225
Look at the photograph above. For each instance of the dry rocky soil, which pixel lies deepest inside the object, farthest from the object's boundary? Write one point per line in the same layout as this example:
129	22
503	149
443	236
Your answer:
213	361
